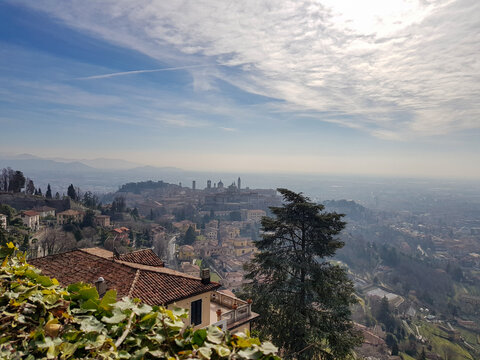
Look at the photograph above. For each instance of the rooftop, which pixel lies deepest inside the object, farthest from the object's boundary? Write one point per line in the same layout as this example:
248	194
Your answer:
30	213
154	285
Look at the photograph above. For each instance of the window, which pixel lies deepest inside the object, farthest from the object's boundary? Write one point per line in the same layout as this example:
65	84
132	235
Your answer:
196	312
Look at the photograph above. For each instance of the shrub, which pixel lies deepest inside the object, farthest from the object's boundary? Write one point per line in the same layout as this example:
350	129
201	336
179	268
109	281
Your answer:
39	319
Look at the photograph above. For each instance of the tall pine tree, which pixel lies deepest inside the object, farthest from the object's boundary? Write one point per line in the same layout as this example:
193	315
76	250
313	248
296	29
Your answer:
303	298
72	194
48	193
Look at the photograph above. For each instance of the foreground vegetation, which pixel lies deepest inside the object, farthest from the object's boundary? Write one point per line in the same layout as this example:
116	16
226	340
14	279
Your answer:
39	319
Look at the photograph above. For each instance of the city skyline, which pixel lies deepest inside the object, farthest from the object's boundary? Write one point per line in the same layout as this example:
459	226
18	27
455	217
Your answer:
308	87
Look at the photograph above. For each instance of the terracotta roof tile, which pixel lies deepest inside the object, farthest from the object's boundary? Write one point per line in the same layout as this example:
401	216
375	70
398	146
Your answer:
145	257
99	252
30	213
152	284
160	288
76	266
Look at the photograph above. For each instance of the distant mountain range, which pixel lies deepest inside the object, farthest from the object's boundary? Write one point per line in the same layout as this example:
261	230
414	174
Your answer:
98	175
29	162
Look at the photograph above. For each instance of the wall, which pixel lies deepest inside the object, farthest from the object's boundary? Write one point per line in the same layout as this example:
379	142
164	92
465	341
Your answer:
25	202
185	304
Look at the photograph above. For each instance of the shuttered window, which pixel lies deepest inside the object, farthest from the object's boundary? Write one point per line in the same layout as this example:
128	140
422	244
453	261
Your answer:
196	312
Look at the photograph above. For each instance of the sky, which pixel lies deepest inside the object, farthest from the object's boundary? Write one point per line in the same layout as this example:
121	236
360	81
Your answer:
331	87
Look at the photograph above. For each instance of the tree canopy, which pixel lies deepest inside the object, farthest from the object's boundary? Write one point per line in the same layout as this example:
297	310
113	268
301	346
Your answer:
303	297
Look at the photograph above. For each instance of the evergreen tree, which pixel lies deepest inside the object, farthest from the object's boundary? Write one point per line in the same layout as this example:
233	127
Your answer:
39	192
72	194
57	195
190	236
30	187
48	194
304	299
385	315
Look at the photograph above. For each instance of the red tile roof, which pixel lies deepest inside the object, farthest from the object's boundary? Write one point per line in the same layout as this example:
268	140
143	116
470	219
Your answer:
141	257
161	288
152	284
30	213
145	257
77	265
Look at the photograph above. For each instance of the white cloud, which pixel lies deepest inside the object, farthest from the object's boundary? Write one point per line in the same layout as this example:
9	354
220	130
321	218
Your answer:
397	69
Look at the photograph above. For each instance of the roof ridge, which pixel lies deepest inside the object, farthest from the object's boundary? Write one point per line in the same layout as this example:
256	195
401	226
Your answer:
134	282
160	270
136	251
60	253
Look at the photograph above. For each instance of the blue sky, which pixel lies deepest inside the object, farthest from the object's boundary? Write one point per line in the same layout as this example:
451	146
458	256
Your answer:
387	88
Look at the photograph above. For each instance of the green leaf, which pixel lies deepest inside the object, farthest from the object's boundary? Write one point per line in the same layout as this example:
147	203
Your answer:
137	355
124	304
157	353
88	293
89	305
122	354
268	348
51	299
148	321
75	287
214	335
89	323
142	309
199	337
108	299
68	349
44	281
250	354
222	351
205	352
115	319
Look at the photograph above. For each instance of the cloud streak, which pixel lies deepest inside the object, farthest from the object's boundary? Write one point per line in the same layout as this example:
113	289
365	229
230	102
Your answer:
134	72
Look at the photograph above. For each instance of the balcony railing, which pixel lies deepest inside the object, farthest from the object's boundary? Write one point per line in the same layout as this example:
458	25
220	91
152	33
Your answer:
239	309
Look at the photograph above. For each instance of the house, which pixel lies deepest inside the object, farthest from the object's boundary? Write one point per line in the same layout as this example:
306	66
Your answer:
134	275
186	253
255	215
31	219
69	216
45	211
189	268
3	222
183	226
121	235
102	220
211	233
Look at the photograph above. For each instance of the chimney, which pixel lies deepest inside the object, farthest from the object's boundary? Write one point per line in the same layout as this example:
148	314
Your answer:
101	286
205	276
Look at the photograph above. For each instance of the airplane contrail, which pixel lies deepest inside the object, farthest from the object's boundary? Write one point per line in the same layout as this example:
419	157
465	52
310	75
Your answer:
104	76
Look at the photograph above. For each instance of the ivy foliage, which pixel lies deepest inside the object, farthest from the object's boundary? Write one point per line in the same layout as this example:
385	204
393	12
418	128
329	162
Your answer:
39	319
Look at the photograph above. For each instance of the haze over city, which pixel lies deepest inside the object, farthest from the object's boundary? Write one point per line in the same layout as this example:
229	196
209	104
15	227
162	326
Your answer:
332	87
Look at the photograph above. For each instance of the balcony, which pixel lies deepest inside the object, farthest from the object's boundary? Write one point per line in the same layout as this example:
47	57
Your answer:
229	312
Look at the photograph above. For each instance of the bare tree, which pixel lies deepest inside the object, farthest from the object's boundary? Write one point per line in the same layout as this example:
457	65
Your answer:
56	241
